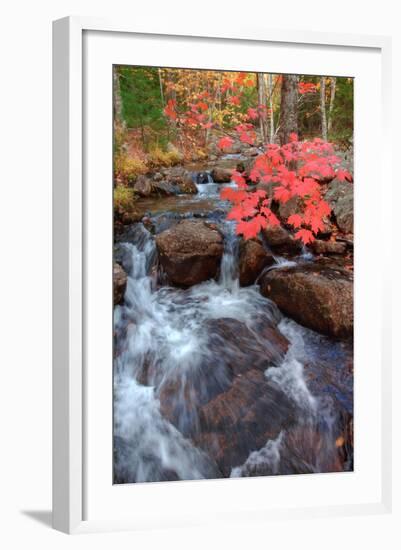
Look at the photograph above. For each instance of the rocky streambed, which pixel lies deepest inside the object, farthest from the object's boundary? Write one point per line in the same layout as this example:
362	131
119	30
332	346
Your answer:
232	358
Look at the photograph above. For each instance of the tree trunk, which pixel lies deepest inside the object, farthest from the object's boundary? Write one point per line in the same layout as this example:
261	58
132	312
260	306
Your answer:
331	106
118	106
323	107
161	87
262	100
288	108
270	92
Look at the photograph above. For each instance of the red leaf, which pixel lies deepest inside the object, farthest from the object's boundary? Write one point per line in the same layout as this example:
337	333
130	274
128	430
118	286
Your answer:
306	88
343	175
225	143
316	224
239	179
234	100
202	106
250	229
282	194
233	195
252	113
305	236
169	110
295	220
246	138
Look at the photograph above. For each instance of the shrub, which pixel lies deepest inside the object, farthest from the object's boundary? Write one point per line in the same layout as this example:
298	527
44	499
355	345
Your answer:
298	168
124	198
158	157
127	169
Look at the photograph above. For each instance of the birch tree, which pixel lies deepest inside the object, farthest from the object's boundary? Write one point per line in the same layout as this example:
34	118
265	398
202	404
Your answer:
323	107
262	100
269	83
117	104
333	83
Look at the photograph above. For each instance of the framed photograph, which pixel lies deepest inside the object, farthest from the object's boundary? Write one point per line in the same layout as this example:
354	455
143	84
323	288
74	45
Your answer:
220	343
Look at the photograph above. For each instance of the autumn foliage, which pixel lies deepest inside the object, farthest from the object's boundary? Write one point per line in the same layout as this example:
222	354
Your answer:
294	170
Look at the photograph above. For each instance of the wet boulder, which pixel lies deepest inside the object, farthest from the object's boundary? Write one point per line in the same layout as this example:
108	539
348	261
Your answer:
202	177
181	179
340	196
143	186
242	419
163	188
328	247
190	252
292	206
175	174
253	258
187	186
230	350
241	347
221	175
119	283
281	241
251	152
157	176
123	256
318	296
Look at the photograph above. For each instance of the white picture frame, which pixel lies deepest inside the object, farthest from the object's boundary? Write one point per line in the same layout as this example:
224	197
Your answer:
70	424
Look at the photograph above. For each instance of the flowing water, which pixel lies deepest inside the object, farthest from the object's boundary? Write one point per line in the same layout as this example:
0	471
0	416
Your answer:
181	355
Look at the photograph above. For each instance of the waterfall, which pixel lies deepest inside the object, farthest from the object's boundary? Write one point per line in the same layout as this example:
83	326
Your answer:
207	187
167	365
229	262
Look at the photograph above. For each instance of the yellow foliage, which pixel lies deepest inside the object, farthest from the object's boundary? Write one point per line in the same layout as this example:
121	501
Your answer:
158	157
201	154
128	168
124	198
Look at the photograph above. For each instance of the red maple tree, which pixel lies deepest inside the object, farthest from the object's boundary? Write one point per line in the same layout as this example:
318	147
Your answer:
296	169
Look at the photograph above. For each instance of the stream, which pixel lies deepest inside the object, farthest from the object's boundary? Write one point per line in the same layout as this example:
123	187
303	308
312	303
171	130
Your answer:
213	381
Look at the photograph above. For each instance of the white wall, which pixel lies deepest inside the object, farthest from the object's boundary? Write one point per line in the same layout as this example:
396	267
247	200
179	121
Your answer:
25	219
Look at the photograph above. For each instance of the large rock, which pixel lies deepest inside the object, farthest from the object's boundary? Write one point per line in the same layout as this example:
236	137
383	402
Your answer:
253	258
187	186
119	283
123	257
190	252
328	247
318	296
143	186
163	188
210	398
221	175
340	196
292	206
175	174
242	419
251	152
179	177
280	240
